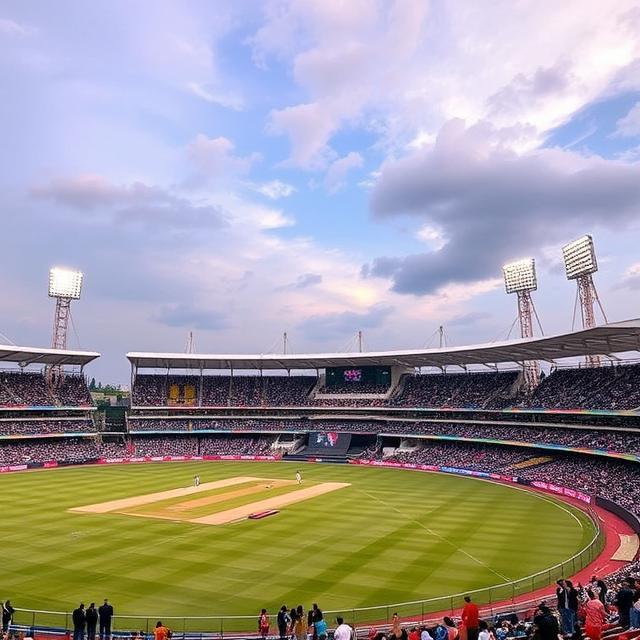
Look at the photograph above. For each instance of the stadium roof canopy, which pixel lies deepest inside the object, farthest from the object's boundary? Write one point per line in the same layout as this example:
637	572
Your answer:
33	355
617	337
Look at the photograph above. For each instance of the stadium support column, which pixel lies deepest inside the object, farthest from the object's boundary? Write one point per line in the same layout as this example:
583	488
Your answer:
520	278
580	264
587	295
525	315
134	371
61	323
65	285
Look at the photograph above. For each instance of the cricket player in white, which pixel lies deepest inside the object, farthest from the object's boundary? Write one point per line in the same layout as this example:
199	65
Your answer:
196	481
298	477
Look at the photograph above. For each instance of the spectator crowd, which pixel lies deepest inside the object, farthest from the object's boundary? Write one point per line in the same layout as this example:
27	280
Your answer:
45	426
622	441
30	389
71	450
608	387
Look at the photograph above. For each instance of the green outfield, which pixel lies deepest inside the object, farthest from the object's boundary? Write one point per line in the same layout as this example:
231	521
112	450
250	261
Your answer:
390	536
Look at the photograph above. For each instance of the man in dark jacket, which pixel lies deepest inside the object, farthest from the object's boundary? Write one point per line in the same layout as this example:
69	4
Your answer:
566	614
92	621
79	620
283	622
635	609
624	602
572	601
106	613
7	615
546	623
315	615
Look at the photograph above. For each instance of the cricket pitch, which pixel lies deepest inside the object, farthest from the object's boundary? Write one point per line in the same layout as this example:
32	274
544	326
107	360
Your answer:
211	497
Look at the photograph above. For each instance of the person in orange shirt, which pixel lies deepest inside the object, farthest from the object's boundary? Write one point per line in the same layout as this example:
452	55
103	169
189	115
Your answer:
471	618
160	632
595	616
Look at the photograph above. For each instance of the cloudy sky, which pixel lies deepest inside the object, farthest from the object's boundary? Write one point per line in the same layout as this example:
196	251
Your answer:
318	167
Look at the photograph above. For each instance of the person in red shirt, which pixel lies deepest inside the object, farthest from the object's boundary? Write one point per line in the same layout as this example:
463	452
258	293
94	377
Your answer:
263	623
595	617
414	634
471	618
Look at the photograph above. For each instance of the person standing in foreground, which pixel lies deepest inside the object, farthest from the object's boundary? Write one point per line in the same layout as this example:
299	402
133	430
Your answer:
450	626
546	623
160	632
572	600
566	614
92	621
299	626
7	615
79	620
321	629
624	602
595	616
315	615
263	623
283	622
471	618
634	612
106	613
600	589
343	631
485	633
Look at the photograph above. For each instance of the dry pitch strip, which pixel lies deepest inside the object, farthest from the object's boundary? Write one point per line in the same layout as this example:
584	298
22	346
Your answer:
182	504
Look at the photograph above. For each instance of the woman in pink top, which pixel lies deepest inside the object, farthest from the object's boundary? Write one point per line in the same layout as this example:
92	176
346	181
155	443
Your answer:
595	617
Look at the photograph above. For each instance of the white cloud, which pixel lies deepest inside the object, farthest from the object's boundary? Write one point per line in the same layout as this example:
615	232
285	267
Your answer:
629	126
213	158
12	28
336	176
631	277
402	72
274	189
224	99
309	127
432	236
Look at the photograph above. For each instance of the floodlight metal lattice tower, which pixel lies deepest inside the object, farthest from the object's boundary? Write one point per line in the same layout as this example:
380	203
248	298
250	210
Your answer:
65	285
580	264
520	278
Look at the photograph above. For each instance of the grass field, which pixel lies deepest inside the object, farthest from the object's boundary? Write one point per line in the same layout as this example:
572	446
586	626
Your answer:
389	537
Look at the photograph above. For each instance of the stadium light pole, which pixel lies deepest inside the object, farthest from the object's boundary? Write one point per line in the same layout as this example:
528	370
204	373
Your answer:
580	264
520	278
65	285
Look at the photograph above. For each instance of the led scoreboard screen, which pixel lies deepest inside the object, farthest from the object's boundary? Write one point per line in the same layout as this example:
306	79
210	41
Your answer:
340	376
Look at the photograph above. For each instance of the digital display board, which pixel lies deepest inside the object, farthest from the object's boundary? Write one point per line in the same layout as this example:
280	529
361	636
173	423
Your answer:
340	376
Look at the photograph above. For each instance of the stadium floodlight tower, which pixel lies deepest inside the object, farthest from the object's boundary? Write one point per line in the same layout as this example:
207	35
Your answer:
580	264
520	278
65	285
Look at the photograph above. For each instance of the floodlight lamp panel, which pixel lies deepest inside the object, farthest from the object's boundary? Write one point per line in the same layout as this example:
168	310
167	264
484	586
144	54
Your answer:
520	276
65	283
579	257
